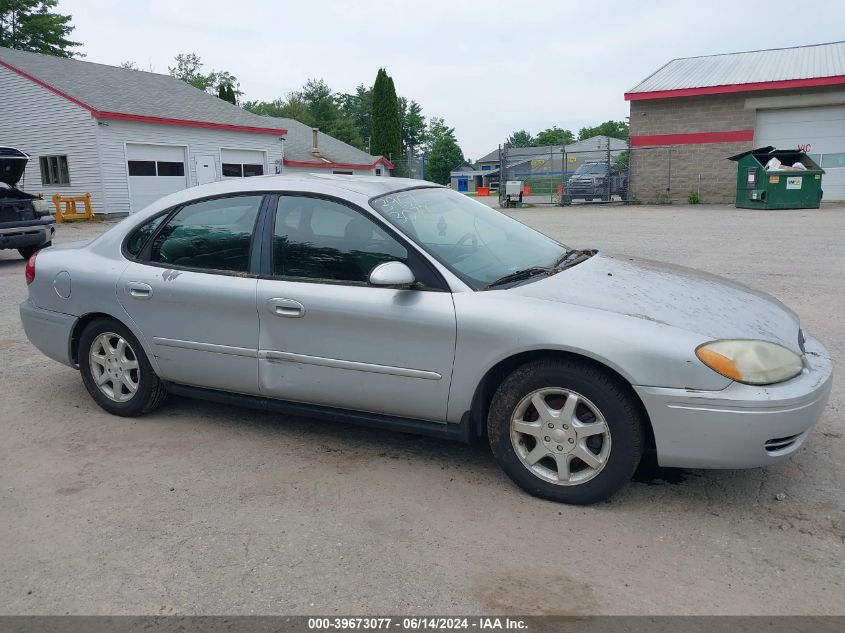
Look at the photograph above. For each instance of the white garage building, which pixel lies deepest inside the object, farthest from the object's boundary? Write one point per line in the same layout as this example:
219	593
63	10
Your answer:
130	137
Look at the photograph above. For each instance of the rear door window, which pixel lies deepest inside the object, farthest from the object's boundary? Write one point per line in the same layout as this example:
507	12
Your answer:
211	235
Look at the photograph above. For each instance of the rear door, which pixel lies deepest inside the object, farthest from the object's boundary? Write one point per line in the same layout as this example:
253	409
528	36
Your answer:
191	293
327	337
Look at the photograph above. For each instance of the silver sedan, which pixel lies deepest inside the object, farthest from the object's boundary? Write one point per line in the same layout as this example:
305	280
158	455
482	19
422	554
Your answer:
399	304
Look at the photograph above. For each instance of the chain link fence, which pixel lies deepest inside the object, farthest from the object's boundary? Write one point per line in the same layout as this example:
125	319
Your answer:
590	171
602	170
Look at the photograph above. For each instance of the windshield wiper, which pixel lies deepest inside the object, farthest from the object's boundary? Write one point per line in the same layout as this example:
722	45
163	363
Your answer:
572	257
520	275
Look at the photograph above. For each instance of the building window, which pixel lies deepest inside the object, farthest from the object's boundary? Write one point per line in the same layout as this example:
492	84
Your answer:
167	168
54	170
343	172
239	170
378	171
153	168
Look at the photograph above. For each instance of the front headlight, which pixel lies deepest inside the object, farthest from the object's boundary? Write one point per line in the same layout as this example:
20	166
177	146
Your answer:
42	207
749	361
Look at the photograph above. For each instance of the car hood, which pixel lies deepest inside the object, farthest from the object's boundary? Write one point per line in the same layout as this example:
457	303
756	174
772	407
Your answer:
680	297
12	164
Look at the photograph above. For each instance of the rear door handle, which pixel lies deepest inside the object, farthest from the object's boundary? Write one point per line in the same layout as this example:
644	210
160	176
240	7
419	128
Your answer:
286	308
139	290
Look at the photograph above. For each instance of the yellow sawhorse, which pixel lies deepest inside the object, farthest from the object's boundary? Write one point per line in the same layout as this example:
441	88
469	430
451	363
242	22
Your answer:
66	207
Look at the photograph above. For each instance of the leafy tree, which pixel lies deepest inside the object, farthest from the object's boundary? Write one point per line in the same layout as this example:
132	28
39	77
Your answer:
226	86
554	136
359	107
437	129
188	68
520	139
614	129
413	125
222	83
30	25
445	155
386	132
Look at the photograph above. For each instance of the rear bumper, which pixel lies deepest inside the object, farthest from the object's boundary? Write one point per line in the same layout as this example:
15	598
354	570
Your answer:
742	426
49	331
26	234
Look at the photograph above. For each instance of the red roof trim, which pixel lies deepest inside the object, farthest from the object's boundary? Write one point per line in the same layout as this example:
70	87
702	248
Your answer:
187	123
732	88
47	86
729	136
138	117
322	165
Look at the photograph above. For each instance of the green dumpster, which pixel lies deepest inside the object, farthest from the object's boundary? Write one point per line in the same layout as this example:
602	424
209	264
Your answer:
760	184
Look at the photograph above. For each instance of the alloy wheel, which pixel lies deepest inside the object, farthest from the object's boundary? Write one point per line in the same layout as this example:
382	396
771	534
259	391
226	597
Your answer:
114	367
560	436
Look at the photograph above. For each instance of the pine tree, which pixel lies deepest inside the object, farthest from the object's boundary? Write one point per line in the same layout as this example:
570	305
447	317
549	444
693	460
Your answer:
386	122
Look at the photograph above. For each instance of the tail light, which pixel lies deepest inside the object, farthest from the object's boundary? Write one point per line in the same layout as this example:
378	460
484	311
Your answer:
29	271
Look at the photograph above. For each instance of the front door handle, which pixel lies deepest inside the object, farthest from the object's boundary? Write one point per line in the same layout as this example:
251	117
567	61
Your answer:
286	308
139	290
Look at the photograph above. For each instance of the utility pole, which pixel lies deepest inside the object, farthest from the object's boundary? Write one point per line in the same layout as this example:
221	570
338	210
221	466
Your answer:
607	182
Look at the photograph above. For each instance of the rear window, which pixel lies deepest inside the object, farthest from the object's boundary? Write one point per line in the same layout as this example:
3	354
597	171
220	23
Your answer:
136	241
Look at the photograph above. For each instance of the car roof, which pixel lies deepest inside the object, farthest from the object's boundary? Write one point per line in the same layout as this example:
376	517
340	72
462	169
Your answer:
364	185
330	184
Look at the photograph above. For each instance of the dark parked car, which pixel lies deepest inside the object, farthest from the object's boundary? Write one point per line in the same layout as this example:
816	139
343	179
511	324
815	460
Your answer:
25	219
590	181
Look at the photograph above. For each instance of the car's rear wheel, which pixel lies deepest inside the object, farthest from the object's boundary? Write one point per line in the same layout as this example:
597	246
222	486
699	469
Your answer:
566	430
116	371
28	251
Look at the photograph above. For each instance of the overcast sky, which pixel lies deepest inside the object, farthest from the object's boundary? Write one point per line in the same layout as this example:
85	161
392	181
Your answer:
487	67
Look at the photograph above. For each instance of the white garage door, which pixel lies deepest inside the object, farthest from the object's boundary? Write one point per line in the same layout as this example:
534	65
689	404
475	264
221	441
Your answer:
242	163
154	171
819	131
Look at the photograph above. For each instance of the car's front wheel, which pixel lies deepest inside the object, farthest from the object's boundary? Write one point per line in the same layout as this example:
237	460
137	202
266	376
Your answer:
116	371
566	430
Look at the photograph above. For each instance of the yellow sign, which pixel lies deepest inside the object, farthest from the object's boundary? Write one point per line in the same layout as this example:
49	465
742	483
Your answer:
572	159
538	162
773	180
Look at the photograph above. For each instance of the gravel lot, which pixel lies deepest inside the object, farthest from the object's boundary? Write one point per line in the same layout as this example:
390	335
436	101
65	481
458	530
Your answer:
204	509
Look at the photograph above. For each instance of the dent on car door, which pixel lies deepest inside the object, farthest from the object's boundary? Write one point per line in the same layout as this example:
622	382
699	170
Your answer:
191	295
327	337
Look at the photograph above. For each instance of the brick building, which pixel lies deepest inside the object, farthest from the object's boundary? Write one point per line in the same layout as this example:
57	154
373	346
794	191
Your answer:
691	114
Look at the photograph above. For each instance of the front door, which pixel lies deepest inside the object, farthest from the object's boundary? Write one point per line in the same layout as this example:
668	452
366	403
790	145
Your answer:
327	337
206	168
192	298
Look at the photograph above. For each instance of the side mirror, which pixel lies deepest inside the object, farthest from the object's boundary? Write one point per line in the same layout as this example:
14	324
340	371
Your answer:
391	274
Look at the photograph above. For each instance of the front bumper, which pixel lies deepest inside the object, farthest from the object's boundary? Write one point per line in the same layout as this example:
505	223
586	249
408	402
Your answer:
742	426
23	234
49	331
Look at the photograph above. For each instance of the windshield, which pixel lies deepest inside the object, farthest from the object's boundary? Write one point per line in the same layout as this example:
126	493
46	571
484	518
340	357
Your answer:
591	168
475	242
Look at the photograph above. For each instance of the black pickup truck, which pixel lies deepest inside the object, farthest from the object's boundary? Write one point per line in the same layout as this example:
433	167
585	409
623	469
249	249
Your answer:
590	181
26	222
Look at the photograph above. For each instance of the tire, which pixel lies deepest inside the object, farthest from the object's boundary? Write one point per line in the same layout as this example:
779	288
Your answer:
149	392
601	398
28	251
